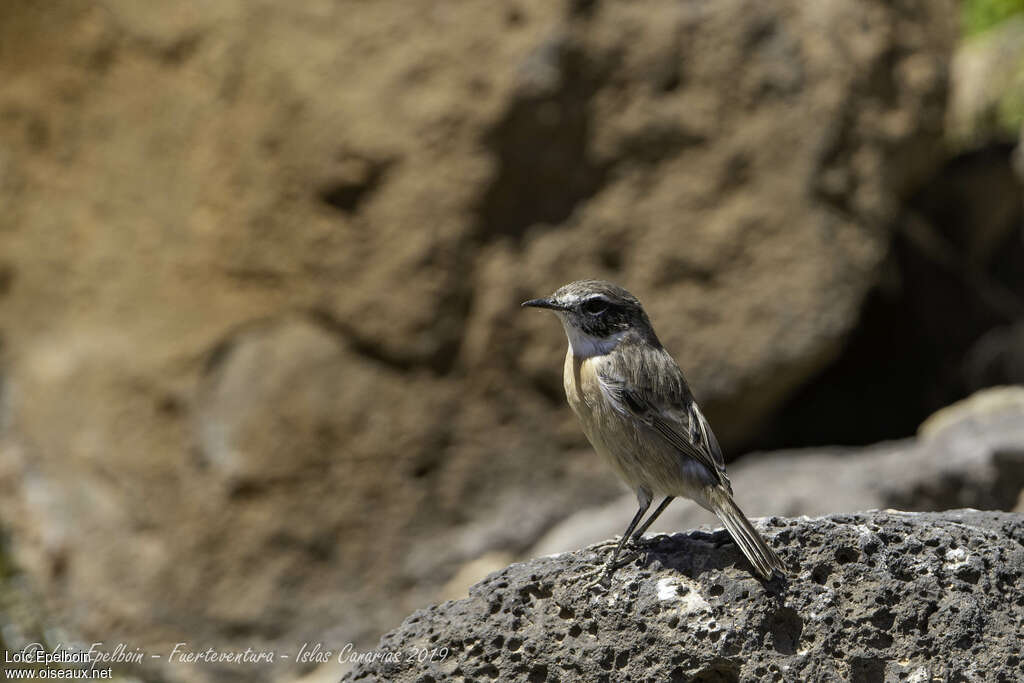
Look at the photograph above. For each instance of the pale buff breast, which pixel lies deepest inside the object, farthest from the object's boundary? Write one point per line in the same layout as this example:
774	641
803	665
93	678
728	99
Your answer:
638	455
584	395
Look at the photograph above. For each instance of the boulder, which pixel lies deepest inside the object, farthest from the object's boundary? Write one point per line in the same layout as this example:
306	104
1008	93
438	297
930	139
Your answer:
986	103
883	595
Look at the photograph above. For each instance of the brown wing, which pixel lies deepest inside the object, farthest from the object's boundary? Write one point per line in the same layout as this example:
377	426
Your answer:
659	397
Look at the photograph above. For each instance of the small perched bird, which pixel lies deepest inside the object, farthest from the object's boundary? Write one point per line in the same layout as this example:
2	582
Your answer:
640	416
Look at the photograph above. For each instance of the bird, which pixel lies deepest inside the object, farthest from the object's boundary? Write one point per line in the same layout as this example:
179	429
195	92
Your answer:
639	414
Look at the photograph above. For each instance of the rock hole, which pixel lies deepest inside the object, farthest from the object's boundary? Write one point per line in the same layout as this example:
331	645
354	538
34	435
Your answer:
866	670
539	673
786	628
718	671
846	554
820	574
536	592
490	671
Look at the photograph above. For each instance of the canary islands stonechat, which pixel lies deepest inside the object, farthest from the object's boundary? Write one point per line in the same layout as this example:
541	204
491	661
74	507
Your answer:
640	416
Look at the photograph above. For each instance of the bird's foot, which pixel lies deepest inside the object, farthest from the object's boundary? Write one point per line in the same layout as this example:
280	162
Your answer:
634	544
610	544
628	558
601	577
643	547
638	543
595	579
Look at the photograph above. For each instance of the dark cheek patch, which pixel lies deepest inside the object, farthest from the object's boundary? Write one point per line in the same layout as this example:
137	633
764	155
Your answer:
615	321
595	327
604	325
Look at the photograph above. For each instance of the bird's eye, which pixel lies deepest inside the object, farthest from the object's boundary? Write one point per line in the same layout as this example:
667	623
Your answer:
594	306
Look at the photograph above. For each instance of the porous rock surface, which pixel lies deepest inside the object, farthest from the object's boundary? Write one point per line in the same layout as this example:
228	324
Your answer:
881	595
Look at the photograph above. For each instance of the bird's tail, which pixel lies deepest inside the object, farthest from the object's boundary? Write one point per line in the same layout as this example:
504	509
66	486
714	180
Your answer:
743	533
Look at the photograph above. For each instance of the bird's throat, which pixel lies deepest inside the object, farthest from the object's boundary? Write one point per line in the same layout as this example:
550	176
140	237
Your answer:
587	346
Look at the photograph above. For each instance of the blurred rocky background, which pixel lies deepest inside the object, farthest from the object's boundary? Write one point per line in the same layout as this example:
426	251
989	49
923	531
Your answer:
263	375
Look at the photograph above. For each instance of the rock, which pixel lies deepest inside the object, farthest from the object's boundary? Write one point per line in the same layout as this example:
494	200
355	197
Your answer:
992	415
260	266
986	103
472	572
872	596
970	454
996	358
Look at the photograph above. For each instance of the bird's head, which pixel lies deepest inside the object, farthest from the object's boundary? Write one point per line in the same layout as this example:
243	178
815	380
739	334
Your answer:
597	315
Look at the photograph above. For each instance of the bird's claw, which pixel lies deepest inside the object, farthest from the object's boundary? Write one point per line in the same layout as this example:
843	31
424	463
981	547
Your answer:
629	557
604	574
601	574
605	545
635	543
601	577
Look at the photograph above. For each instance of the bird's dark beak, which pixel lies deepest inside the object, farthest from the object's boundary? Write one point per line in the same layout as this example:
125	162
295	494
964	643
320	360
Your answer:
542	303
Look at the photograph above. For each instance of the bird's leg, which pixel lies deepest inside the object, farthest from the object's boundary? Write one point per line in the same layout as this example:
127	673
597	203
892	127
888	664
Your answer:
636	539
612	566
613	561
639	533
629	536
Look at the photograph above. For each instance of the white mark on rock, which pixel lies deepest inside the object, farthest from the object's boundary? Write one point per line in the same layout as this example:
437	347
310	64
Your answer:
919	675
864	531
689	600
693	602
957	557
667	589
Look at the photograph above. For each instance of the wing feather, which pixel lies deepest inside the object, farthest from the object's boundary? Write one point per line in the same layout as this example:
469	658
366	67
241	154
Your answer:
669	410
